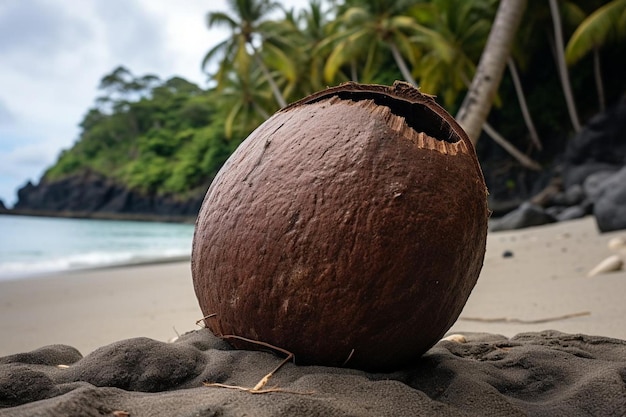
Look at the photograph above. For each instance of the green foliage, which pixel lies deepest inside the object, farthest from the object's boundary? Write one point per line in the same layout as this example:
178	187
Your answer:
171	137
603	25
168	139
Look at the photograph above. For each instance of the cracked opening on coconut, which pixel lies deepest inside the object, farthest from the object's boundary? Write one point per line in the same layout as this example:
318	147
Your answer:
416	114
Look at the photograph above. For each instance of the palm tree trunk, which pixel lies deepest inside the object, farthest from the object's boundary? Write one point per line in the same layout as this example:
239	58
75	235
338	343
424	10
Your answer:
479	99
404	69
598	76
563	74
522	103
505	144
512	150
353	71
260	111
266	73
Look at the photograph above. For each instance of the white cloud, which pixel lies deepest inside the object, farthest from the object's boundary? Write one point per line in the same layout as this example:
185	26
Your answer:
55	52
33	32
24	158
6	116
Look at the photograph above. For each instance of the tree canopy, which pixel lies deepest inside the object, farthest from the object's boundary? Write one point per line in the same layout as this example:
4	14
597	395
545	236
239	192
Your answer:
152	135
171	136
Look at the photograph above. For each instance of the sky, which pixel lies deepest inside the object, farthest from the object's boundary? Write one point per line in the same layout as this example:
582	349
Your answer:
53	54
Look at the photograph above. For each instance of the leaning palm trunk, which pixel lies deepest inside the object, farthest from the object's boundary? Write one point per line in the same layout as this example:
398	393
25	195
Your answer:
508	146
523	105
512	150
560	57
404	69
265	115
266	73
479	99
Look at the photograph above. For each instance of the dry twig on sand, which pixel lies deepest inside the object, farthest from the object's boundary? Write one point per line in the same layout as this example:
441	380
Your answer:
259	387
208	316
522	321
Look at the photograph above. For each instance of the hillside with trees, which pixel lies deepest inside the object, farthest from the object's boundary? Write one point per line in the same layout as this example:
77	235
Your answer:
166	139
151	135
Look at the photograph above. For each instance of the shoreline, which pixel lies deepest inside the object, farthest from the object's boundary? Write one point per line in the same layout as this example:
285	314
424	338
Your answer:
544	279
101	216
112	266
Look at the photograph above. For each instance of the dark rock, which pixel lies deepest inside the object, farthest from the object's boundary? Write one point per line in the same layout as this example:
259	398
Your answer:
526	215
570	213
594	184
577	174
581	176
559	199
507	254
499	208
554	211
600	146
602	139
547	195
610	205
2	206
574	195
93	193
510	186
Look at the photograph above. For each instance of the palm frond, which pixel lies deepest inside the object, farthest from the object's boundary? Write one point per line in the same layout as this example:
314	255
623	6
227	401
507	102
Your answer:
219	49
220	19
606	23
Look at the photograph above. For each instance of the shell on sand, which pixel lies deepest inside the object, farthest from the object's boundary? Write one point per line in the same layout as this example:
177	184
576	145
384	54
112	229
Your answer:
610	264
617	243
458	338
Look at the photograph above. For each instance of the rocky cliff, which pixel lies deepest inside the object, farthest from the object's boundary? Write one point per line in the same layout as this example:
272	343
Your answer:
93	195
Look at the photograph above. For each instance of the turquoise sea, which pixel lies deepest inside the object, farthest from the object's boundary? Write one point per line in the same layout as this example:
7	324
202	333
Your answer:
31	246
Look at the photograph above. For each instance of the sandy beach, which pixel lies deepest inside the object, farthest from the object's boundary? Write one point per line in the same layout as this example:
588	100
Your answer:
98	343
88	309
545	278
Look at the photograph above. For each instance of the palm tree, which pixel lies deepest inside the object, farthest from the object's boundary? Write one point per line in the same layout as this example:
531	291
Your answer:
243	100
447	64
606	24
562	66
479	99
359	30
458	30
308	29
519	91
248	34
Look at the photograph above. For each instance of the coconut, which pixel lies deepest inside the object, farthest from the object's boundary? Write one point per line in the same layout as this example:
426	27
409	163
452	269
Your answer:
348	229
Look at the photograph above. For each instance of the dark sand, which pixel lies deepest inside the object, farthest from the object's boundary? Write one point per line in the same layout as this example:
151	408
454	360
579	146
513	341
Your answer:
539	374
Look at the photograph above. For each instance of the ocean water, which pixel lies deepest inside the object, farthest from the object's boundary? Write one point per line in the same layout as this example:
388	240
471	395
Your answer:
31	246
